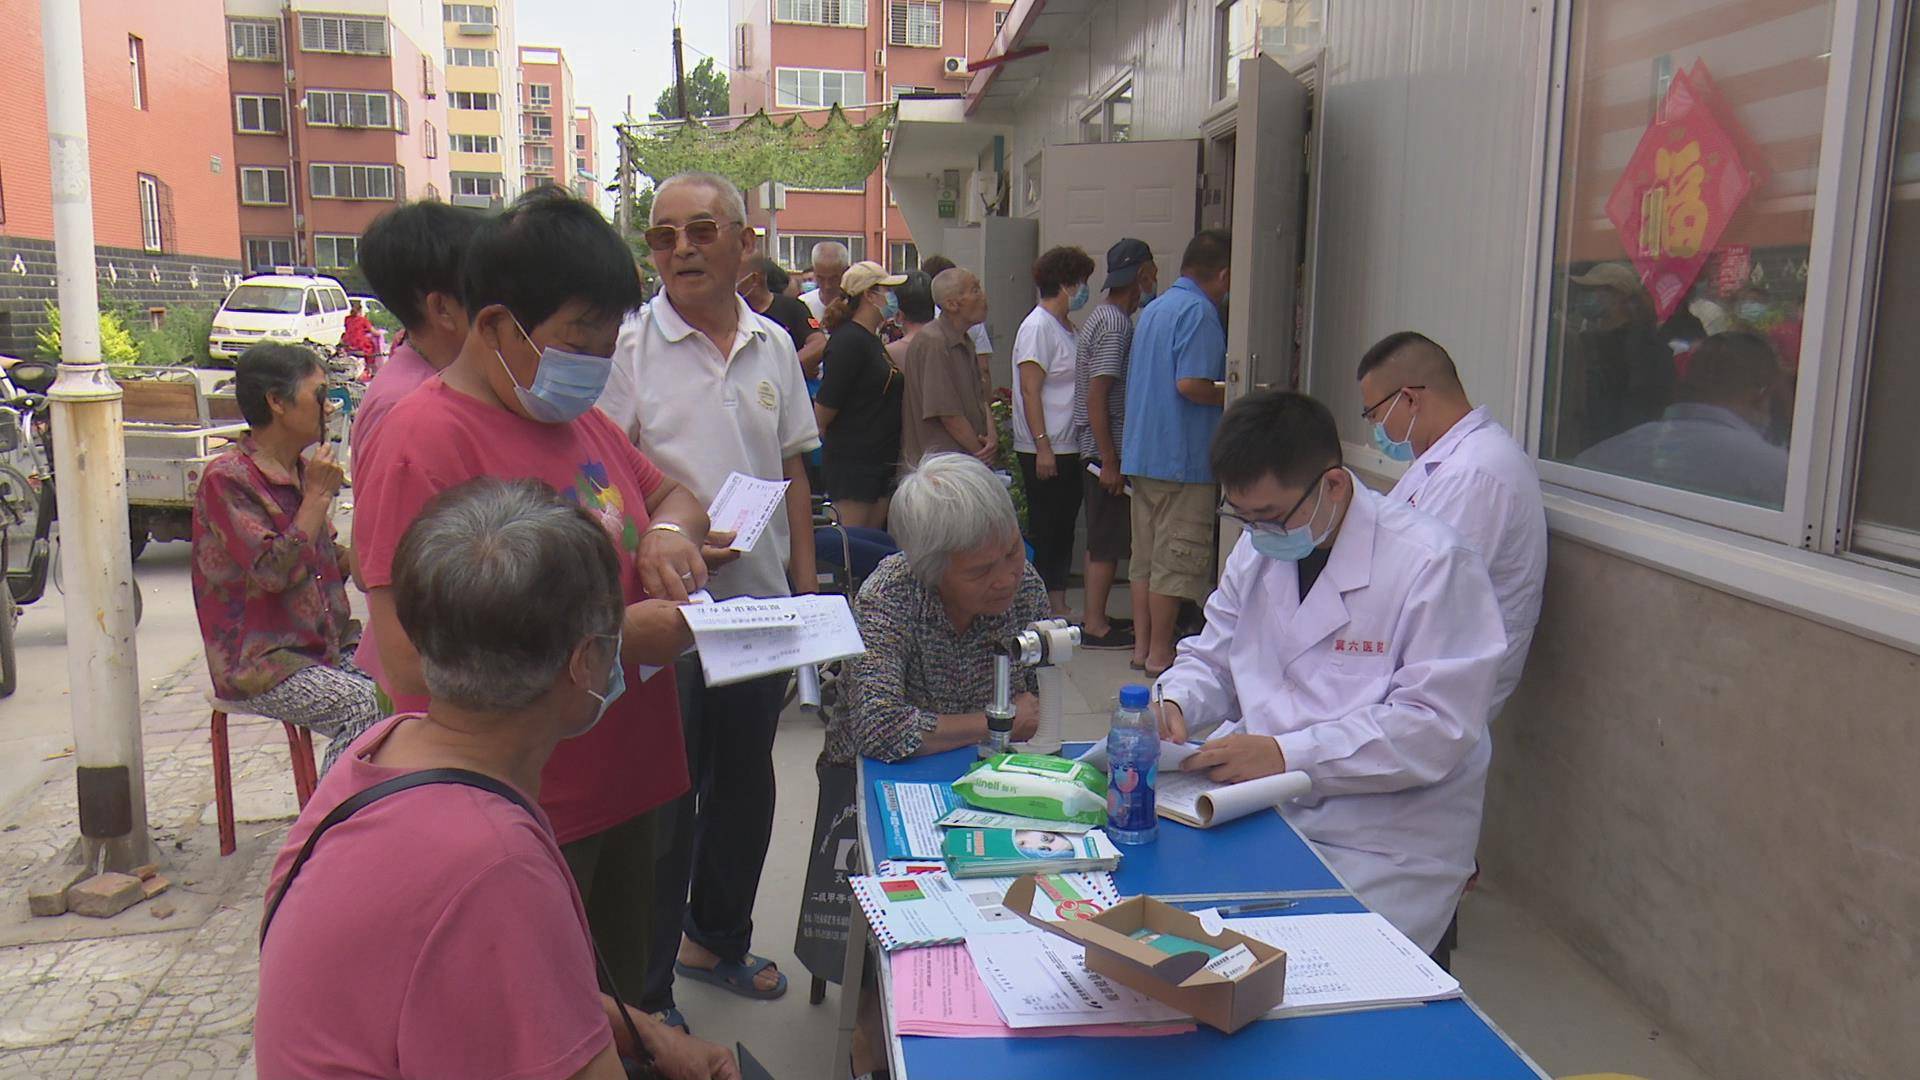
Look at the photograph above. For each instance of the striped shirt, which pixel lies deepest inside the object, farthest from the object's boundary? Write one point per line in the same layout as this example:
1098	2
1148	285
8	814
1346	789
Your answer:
1102	346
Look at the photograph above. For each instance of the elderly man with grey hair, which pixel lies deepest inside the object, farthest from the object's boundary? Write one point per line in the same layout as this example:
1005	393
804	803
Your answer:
944	407
706	388
930	615
830	260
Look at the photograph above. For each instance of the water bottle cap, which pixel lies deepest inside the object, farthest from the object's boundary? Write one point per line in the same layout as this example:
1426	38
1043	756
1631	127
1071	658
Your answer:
1133	696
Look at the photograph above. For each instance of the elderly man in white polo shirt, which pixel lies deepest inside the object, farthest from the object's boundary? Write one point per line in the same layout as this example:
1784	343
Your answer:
707	388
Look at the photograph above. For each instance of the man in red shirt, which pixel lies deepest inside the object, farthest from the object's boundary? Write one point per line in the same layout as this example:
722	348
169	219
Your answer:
546	284
436	931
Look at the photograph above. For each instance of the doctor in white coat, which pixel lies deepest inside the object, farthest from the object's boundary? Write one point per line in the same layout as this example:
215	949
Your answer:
1375	685
1467	471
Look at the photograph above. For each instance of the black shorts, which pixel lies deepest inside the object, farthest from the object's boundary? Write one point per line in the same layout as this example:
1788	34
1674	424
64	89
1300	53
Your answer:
1109	522
858	483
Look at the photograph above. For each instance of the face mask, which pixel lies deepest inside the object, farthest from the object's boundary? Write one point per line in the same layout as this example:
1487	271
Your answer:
1290	545
1752	311
890	306
1080	298
1396	451
616	685
566	385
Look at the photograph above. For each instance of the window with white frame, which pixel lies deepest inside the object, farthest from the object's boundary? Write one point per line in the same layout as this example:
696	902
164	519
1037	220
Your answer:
913	23
352	181
259	114
333	34
475	144
1111	118
429	140
253	39
137	66
476	100
482	186
481	58
812	88
899	91
539	157
539	95
267	252
902	256
336	252
821	12
579	140
796	249
152	235
1683	247
539	127
1236	36
263	185
350	108
476	14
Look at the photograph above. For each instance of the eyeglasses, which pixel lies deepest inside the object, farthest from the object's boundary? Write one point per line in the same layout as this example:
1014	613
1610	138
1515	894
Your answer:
1367	413
667	237
1274	524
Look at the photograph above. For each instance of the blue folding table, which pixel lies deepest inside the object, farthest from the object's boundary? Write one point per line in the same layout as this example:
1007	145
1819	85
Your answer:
1257	857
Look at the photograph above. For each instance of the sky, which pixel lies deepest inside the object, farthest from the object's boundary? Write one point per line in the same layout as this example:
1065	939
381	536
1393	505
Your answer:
622	47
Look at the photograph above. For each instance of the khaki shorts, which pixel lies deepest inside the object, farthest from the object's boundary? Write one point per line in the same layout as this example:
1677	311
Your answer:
1173	543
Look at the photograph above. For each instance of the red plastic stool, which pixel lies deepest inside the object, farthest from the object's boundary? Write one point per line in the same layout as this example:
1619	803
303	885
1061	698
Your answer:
299	748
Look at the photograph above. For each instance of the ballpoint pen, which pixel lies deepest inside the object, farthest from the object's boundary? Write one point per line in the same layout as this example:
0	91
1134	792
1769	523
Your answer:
1257	905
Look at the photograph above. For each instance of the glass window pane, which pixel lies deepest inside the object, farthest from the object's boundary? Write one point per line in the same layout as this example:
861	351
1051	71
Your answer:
1887	500
1685	220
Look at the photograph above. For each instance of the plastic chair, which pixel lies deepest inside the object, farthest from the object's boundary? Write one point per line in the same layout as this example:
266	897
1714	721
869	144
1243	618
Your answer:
299	747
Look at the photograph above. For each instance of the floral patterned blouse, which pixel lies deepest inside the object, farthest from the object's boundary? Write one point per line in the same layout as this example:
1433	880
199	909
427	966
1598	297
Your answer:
271	599
917	667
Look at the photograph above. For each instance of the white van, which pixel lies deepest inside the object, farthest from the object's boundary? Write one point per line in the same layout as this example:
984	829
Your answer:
291	304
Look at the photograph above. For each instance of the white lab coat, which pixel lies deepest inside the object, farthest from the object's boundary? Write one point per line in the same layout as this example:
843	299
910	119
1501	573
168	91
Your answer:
1376	687
1477	479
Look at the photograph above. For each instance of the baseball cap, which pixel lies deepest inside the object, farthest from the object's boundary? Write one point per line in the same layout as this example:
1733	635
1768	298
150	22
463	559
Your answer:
1124	260
1613	275
862	276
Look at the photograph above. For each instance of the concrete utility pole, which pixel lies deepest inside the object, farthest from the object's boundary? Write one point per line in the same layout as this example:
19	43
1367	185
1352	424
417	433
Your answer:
90	467
679	76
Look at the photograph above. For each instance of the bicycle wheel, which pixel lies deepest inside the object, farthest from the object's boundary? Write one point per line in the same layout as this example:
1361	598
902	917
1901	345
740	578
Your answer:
9	620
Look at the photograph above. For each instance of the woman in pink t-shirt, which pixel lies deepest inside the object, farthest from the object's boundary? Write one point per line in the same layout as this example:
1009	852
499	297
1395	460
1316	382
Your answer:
546	285
436	930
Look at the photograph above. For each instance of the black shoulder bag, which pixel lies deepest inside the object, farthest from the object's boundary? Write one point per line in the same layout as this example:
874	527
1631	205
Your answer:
468	778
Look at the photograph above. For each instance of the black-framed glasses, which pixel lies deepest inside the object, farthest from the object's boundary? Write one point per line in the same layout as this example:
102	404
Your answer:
1276	524
1367	413
667	237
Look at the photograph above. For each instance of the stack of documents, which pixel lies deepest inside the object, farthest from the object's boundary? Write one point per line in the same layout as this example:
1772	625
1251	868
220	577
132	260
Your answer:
1000	852
1348	962
939	992
746	638
913	910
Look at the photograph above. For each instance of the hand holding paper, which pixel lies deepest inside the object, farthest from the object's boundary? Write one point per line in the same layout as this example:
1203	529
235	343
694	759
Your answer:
745	506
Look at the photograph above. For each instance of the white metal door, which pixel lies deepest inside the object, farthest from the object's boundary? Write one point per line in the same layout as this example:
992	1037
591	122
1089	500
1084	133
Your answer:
1094	194
1268	171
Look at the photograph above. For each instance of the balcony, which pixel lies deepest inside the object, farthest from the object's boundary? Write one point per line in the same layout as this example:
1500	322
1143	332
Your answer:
537	106
481	202
477	29
536	138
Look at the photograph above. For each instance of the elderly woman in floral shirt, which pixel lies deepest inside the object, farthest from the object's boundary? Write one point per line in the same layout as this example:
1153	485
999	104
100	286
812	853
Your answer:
269	580
931	614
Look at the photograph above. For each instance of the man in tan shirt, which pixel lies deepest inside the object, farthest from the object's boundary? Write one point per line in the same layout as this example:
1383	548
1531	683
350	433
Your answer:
942	410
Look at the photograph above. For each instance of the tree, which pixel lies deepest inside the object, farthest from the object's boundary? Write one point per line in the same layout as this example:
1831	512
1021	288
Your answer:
706	94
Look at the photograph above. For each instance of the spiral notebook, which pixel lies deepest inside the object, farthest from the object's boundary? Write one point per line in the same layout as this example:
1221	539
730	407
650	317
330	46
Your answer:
908	912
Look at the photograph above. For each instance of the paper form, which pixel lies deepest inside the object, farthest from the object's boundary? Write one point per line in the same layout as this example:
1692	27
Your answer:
745	506
1041	980
745	613
822	630
909	811
1347	962
1190	796
937	991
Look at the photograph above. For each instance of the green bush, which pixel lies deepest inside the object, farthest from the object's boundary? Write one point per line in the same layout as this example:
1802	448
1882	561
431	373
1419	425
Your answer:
180	340
116	343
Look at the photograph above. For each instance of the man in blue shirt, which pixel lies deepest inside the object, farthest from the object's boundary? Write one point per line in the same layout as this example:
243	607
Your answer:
1174	398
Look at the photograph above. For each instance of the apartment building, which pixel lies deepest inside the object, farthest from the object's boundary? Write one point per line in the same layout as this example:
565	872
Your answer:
794	55
339	111
546	121
162	176
586	154
483	104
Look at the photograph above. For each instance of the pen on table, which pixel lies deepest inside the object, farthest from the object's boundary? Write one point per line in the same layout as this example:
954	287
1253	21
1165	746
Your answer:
1257	905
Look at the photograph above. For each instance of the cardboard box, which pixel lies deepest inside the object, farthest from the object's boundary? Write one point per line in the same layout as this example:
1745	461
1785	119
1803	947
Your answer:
1218	1002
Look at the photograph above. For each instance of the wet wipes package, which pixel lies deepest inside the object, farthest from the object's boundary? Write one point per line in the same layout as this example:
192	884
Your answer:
1037	786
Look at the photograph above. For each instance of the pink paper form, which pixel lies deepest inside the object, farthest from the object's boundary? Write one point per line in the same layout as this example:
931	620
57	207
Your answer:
936	991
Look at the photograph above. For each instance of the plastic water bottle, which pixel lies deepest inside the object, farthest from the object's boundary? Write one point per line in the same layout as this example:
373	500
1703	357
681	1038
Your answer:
1133	758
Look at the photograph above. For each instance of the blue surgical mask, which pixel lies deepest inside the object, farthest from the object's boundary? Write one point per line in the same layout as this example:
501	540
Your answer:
1396	451
566	385
616	685
1080	298
1752	311
890	306
1290	545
